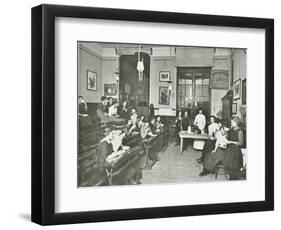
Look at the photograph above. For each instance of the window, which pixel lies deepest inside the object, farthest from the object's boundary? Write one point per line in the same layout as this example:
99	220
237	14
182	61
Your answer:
193	89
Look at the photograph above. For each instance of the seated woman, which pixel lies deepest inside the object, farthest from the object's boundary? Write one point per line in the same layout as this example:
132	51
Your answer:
159	124
112	110
210	143
131	128
103	114
231	157
153	126
215	155
84	119
134	115
124	110
141	121
104	149
109	104
233	160
145	131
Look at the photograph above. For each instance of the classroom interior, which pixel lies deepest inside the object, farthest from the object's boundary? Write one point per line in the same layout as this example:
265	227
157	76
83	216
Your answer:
156	82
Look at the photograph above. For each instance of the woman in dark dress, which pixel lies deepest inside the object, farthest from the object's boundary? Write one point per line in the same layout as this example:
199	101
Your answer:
124	111
184	126
185	121
151	111
210	143
231	157
233	160
178	127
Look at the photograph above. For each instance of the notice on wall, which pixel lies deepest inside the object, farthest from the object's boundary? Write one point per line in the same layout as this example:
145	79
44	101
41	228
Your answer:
220	80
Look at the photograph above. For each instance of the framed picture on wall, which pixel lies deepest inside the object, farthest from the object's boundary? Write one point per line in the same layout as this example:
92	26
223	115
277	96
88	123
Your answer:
164	76
234	108
94	159
244	92
91	80
110	89
236	89
164	95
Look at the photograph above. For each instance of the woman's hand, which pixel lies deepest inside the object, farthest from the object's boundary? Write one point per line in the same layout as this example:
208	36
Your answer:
231	142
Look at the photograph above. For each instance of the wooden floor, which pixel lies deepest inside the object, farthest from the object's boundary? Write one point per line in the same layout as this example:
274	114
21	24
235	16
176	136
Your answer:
175	167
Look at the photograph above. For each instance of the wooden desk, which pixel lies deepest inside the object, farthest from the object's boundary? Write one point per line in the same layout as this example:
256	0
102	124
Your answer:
185	134
119	165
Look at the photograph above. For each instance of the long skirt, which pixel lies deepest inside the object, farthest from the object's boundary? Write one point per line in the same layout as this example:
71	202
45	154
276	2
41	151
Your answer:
208	147
211	160
233	159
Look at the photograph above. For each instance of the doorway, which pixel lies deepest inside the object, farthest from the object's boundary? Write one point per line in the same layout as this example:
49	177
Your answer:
193	90
132	89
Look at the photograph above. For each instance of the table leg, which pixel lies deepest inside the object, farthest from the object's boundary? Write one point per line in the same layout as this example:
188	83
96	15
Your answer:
181	145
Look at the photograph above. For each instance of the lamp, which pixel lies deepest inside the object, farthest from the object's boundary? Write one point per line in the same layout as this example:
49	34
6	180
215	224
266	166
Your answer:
140	65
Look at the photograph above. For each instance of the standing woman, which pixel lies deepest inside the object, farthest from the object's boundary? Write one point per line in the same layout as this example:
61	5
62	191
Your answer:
233	160
151	111
210	143
178	127
184	126
185	121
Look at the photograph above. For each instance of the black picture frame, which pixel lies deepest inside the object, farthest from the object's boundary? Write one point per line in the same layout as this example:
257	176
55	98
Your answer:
237	90
161	73
43	114
164	95
110	89
91	79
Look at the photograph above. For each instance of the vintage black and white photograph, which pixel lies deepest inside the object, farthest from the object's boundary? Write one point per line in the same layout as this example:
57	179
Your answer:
160	114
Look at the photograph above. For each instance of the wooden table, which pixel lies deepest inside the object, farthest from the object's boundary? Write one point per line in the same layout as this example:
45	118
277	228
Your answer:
185	134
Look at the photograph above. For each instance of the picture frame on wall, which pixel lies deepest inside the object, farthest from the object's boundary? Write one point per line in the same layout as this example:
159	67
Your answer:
91	80
54	147
164	95
164	76
244	92
110	89
237	89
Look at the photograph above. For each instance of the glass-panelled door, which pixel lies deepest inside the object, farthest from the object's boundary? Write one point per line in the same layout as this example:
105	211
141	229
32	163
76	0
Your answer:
193	90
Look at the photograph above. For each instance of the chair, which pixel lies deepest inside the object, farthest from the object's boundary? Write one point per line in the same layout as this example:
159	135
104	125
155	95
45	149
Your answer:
220	170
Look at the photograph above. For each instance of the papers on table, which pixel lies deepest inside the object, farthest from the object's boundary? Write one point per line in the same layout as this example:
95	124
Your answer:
116	155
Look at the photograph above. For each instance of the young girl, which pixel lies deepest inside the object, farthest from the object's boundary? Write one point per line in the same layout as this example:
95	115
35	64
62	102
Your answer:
221	137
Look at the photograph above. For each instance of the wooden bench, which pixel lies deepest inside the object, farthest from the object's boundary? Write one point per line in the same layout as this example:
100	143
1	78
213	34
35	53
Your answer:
154	145
124	169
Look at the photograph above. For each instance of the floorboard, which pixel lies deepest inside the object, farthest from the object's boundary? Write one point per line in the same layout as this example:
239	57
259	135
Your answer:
175	167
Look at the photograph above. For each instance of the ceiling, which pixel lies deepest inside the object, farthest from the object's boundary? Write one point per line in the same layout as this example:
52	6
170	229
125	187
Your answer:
123	45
